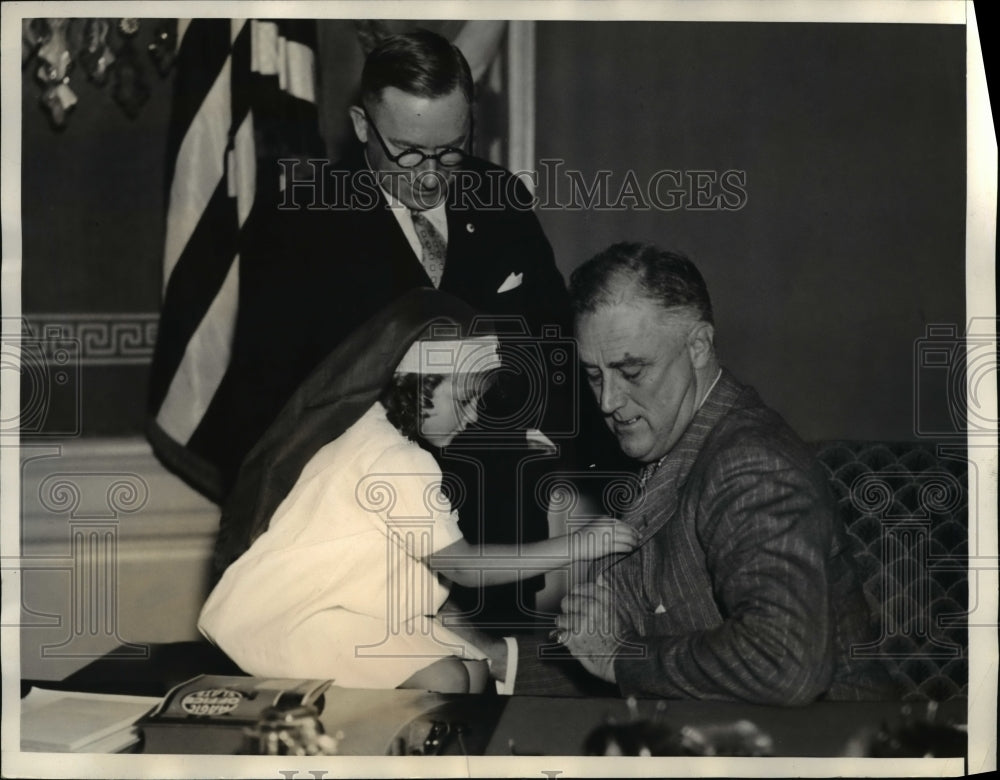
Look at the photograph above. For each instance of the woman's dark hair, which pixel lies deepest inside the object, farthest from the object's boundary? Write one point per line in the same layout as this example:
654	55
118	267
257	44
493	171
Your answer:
407	400
409	397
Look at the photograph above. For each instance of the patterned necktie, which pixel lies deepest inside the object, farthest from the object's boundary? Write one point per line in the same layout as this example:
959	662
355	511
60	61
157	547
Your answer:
433	245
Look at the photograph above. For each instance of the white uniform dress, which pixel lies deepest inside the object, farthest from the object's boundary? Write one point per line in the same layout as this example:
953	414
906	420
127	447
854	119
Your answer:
335	588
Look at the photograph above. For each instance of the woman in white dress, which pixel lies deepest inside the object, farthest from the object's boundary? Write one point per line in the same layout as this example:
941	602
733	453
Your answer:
342	575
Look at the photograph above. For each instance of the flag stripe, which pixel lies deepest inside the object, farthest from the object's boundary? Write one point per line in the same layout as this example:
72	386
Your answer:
197	277
292	61
242	164
243	170
201	370
242	77
244	94
294	75
200	168
201	54
207	354
297	30
265	48
297	71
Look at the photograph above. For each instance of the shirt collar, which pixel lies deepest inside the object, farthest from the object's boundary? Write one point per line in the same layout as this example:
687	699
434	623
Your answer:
711	387
435	214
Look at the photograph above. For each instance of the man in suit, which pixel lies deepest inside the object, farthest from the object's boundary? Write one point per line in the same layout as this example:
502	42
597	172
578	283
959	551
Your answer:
743	585
410	207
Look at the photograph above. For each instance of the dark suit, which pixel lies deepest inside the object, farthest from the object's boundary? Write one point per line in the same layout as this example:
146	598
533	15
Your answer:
338	266
743	586
346	259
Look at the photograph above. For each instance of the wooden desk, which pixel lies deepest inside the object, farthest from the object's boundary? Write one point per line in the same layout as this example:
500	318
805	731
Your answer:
372	720
550	726
530	725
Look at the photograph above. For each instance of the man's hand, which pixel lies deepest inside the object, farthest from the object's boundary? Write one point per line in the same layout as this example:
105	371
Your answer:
586	628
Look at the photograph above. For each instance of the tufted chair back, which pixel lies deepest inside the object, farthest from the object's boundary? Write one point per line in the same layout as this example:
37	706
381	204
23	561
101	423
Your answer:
905	506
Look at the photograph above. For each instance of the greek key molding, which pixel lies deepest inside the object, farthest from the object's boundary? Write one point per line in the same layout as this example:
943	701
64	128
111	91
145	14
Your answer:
103	339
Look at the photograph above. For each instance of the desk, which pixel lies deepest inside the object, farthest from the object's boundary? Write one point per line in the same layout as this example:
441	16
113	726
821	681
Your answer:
372	720
533	725
550	726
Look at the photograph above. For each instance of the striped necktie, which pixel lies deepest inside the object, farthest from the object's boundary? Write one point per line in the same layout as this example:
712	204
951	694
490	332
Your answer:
433	245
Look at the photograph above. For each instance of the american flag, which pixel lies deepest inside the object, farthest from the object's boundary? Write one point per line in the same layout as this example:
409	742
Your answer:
245	95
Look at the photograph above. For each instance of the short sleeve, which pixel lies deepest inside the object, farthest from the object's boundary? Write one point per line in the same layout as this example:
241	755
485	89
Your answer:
403	490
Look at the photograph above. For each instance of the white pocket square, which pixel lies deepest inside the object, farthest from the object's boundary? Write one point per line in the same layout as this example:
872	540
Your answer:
512	282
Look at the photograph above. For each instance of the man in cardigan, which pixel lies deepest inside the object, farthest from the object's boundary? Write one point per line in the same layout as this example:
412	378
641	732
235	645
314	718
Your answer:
742	587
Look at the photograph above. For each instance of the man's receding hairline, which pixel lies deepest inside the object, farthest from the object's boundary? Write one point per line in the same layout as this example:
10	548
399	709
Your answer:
624	289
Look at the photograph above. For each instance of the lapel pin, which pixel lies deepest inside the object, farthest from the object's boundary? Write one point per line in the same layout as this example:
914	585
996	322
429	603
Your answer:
470	228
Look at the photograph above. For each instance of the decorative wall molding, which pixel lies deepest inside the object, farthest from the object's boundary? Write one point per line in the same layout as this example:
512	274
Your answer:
99	339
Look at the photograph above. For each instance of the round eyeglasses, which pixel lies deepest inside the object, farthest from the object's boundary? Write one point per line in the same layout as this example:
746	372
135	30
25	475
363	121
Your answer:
411	158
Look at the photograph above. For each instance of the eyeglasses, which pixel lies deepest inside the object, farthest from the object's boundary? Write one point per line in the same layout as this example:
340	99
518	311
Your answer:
411	158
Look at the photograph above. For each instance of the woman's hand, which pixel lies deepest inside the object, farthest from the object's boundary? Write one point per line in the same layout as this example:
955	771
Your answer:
600	537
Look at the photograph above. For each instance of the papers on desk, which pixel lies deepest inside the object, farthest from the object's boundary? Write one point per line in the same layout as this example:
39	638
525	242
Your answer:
69	722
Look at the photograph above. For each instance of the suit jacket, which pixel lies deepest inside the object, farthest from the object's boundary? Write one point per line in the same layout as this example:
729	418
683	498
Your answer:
341	262
743	586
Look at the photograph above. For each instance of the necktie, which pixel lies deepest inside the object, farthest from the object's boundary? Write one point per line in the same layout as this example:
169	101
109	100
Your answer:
433	245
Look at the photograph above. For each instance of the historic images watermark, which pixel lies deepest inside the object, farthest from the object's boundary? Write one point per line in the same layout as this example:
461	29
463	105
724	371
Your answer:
410	594
920	512
315	184
47	366
538	379
91	504
952	371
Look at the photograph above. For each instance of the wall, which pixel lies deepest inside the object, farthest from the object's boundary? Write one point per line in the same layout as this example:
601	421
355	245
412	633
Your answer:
115	551
93	222
93	198
850	241
851	238
92	201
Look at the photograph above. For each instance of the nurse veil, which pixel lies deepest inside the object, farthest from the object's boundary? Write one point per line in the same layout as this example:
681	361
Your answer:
341	389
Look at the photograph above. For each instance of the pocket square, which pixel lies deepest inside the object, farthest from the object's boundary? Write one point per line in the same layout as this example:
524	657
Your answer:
512	282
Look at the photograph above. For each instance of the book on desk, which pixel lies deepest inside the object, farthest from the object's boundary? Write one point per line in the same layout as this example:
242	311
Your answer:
69	722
